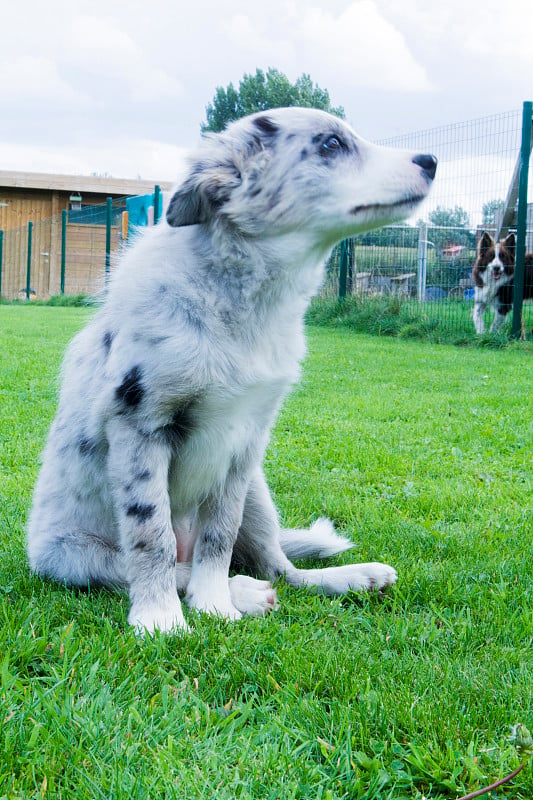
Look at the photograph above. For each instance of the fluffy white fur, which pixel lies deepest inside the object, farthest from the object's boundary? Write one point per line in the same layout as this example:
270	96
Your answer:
151	476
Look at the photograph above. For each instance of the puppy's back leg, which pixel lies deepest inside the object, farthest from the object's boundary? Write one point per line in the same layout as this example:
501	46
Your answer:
77	559
71	533
258	544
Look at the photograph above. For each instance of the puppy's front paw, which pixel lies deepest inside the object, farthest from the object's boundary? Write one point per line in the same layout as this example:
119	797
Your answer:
166	617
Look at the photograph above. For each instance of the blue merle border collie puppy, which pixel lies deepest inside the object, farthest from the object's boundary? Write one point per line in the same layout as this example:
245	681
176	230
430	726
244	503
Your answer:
152	474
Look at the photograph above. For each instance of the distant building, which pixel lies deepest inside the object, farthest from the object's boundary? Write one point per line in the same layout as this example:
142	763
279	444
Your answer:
40	198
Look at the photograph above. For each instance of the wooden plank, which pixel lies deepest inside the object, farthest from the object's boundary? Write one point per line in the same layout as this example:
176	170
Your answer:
508	219
55	247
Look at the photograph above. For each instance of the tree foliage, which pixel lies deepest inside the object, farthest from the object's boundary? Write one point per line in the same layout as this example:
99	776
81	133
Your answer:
451	226
455	217
491	212
262	91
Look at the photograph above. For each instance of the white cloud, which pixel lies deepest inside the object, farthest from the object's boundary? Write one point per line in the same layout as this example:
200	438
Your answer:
144	158
35	77
482	27
102	48
101	37
509	41
364	47
356	45
263	43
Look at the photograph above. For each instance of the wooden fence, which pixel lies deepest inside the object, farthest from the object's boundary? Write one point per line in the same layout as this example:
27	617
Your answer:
85	258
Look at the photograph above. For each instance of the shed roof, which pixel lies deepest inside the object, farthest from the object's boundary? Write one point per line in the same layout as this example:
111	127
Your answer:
78	183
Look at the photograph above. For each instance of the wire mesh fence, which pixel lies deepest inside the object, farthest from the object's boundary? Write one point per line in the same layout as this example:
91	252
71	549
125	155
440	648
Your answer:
428	268
428	262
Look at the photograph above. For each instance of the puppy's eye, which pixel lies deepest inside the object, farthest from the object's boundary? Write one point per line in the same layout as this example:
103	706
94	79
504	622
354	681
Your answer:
332	144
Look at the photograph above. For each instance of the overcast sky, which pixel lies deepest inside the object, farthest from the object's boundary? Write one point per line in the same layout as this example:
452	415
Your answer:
121	88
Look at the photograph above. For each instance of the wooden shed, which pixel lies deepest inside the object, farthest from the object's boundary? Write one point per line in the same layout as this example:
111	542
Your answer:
40	198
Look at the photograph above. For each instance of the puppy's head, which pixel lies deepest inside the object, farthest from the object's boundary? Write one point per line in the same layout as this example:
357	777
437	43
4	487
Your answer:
299	169
495	261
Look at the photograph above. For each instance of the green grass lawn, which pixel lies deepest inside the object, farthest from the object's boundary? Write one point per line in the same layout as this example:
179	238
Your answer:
423	455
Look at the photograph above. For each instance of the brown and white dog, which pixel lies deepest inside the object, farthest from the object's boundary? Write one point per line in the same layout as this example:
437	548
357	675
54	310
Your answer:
493	276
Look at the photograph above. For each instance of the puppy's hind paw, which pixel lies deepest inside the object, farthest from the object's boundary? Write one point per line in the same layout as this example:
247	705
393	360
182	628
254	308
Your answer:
253	597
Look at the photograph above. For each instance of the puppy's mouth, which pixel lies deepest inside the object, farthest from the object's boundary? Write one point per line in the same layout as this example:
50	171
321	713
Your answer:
379	208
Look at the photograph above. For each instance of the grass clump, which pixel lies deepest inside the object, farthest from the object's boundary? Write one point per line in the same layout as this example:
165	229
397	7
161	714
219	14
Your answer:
63	300
404	318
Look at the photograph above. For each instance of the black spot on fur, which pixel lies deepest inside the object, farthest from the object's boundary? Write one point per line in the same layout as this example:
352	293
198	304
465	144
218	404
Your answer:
214	545
181	424
86	446
107	341
145	475
141	545
304	154
140	511
219	199
267	125
130	392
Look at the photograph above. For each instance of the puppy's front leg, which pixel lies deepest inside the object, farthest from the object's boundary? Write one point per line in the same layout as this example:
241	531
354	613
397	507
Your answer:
220	519
498	321
138	469
479	322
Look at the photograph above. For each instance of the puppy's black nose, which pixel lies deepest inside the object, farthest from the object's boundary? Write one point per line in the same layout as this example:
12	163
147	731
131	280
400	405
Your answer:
428	163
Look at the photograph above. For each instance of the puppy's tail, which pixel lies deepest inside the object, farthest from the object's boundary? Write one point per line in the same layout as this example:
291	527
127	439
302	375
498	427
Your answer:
319	541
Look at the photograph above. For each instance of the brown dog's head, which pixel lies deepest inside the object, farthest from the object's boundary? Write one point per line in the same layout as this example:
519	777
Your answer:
495	261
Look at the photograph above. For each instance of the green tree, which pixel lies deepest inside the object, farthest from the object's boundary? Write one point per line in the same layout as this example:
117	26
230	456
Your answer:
450	226
490	212
262	91
455	217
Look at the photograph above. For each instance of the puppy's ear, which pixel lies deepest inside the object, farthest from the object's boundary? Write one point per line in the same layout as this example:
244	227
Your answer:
204	192
222	162
485	243
510	242
184	208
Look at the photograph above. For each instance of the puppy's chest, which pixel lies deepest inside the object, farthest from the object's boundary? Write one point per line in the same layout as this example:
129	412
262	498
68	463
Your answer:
226	433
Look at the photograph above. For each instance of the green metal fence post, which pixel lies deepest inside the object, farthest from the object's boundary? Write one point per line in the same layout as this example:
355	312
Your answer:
521	220
63	248
343	269
109	217
1	256
157	203
422	262
28	262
